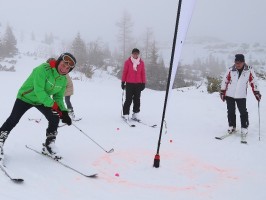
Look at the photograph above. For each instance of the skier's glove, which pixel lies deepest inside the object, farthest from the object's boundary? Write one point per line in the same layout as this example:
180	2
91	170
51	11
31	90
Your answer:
222	95
142	87
123	85
65	118
257	95
56	110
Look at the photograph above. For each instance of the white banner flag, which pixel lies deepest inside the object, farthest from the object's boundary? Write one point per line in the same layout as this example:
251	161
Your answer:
187	8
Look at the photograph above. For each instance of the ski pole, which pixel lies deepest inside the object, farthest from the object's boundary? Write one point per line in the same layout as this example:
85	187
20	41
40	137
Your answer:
259	117
122	102
110	151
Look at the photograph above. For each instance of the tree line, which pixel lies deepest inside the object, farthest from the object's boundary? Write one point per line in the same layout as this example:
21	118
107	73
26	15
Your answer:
96	54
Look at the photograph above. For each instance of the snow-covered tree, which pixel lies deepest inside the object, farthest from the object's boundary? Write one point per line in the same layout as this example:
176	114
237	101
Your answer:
155	69
125	26
95	53
147	43
32	36
48	39
79	50
8	44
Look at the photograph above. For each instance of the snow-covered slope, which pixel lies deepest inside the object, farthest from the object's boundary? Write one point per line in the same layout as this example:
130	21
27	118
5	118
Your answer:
193	164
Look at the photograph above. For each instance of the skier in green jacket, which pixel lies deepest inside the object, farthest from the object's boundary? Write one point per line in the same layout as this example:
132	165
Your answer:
44	89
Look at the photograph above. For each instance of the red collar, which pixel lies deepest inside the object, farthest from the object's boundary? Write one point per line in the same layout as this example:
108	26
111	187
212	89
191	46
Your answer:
52	63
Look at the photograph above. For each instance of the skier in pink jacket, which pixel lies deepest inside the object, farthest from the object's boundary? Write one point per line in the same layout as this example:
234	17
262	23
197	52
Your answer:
133	80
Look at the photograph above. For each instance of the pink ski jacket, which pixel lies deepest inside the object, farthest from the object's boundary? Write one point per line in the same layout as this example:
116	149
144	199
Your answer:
130	75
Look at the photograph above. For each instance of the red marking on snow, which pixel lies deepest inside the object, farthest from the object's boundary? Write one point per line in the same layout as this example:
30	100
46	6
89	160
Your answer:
171	141
116	174
232	177
195	175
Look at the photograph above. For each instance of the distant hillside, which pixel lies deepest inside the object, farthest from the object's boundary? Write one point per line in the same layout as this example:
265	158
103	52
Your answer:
202	48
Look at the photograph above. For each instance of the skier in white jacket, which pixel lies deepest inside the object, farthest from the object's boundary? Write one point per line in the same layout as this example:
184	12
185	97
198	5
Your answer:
234	91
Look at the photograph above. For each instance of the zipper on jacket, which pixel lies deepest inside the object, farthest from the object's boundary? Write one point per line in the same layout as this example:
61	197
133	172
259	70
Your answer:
27	92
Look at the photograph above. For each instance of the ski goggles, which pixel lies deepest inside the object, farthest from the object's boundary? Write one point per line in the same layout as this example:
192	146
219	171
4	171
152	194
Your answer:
67	59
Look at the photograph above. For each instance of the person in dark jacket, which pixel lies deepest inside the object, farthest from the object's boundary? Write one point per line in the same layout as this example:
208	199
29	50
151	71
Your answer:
133	80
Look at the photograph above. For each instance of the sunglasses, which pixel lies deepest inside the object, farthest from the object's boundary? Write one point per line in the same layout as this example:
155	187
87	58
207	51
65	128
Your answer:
67	59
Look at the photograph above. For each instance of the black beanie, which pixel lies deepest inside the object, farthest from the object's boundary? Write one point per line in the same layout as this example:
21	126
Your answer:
61	58
135	50
239	58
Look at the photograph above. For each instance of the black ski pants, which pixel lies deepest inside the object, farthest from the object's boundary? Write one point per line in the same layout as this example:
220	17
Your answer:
20	107
133	91
231	111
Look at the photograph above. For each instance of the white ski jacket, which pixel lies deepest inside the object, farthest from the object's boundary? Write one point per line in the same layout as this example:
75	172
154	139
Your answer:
235	86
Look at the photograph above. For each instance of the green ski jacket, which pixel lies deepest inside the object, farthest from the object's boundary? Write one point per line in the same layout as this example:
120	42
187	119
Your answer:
44	86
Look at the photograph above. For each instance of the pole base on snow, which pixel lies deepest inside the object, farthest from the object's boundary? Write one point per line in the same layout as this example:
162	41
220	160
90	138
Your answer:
156	162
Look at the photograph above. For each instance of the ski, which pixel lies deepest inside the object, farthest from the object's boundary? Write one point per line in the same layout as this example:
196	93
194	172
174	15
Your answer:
62	125
243	138
141	122
225	136
35	120
7	173
93	175
128	123
74	120
244	142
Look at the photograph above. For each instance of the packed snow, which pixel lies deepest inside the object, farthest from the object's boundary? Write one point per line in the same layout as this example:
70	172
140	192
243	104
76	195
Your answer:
193	164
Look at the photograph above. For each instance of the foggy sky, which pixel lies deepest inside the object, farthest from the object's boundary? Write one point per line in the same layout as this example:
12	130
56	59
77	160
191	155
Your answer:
232	20
92	18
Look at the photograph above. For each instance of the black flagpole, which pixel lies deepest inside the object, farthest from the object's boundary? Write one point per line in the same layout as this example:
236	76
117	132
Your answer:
157	156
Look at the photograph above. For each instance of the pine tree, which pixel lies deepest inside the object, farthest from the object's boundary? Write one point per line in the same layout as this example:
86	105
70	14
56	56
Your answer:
1	44
79	49
32	36
95	53
9	42
125	26
213	84
80	52
48	39
108	60
155	70
148	38
1	48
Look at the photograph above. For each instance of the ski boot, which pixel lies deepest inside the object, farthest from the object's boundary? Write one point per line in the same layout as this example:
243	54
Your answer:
49	147
231	130
244	132
125	118
71	115
3	136
135	116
